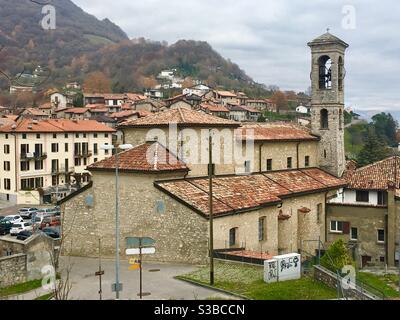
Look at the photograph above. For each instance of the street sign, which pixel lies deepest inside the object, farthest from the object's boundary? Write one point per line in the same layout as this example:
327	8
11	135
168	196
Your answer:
136	242
99	273
114	287
136	251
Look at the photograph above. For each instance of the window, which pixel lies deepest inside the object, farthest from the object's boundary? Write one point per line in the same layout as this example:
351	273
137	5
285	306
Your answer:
381	235
84	135
7	184
261	229
247	166
337	226
38	149
77	135
24	136
269	164
7	166
54	166
106	135
354	234
38	136
362	196
95	135
307	161
54	135
232	237
85	161
325	154
54	147
24	165
66	135
77	162
6	149
341	73
324	119
382	198
95	160
6	135
95	149
289	163
39	165
66	147
24	149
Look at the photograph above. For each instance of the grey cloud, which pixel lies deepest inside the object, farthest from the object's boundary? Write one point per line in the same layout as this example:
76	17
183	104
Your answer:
268	38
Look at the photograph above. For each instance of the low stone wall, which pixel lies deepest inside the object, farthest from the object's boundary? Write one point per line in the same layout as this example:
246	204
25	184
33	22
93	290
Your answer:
13	270
331	280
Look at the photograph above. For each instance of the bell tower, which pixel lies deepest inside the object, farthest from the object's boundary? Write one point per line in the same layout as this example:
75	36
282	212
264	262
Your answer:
327	101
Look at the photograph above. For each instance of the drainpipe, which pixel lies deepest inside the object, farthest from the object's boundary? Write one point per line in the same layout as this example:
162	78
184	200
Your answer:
390	228
260	157
297	155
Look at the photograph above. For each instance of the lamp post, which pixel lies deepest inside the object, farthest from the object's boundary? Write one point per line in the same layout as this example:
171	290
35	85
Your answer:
117	232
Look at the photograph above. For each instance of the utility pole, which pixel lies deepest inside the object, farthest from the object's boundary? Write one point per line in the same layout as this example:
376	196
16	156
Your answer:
210	177
117	284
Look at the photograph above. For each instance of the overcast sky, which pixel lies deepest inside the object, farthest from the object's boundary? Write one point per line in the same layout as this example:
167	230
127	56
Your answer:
268	38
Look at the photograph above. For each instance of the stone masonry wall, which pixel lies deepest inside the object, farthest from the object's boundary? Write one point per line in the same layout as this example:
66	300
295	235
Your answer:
12	270
180	234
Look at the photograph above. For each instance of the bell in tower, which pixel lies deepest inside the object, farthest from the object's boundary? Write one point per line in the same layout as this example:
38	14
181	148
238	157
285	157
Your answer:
327	100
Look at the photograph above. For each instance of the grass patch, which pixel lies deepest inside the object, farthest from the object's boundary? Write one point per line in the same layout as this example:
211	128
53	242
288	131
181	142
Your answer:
388	283
248	281
45	297
20	288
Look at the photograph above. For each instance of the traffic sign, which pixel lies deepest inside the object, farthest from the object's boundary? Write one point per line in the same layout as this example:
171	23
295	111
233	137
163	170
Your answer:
136	242
134	261
114	287
136	251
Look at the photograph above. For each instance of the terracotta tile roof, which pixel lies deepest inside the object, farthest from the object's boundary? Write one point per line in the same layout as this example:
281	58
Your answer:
36	112
45	106
76	110
136	96
376	176
214	107
114	96
275	131
233	194
149	157
226	94
182	117
96	106
123	114
56	125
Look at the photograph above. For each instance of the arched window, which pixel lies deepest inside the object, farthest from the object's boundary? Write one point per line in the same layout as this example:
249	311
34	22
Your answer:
341	73
324	119
325	72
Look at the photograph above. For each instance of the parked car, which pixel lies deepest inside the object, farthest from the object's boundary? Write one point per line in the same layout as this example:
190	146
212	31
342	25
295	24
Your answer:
2	218
14	218
50	221
20	226
49	211
52	232
23	235
27	213
5	227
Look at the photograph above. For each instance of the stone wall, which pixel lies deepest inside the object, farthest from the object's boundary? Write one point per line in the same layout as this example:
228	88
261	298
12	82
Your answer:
281	236
13	270
180	234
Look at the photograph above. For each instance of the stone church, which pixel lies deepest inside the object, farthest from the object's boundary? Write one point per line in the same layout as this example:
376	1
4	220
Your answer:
270	199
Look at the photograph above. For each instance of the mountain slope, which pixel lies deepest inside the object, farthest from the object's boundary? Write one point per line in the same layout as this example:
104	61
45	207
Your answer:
81	44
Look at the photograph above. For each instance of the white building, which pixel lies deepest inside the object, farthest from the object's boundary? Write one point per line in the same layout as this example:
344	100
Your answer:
302	109
198	90
36	155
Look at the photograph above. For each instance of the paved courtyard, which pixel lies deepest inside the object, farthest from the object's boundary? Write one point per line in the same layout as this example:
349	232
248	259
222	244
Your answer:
161	284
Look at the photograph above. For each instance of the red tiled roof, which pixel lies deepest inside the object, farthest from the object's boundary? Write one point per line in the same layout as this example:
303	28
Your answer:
234	194
376	176
76	110
149	157
182	117
136	96
114	96
275	132
35	112
214	108
227	94
45	106
56	125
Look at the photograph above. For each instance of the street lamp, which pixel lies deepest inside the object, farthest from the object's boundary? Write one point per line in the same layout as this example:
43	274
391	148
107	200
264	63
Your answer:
122	147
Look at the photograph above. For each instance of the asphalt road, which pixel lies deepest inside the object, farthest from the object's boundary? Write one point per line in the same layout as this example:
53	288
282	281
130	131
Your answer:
161	284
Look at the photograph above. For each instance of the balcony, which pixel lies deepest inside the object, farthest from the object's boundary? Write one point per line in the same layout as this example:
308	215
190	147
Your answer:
83	154
62	170
33	156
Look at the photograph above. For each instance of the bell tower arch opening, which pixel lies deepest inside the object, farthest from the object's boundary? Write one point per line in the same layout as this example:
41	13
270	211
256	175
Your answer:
325	72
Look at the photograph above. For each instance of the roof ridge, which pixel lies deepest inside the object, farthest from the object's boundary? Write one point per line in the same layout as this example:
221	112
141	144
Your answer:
376	163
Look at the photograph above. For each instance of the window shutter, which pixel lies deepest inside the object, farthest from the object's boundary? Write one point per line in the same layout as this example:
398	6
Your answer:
346	227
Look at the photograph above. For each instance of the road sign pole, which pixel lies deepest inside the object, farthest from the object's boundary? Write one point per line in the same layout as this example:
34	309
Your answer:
141	287
210	177
100	289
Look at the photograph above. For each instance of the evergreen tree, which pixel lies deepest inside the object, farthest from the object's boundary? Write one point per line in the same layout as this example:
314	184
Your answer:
337	256
374	149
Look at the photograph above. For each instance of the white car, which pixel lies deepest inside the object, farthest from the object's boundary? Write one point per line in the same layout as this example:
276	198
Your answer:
20	226
27	213
14	219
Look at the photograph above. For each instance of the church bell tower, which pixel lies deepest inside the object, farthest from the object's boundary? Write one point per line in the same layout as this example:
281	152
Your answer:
327	102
